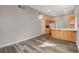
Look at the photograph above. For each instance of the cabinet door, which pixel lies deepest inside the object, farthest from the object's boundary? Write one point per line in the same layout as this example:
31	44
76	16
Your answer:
53	33
56	34
64	35
59	34
47	31
71	36
72	19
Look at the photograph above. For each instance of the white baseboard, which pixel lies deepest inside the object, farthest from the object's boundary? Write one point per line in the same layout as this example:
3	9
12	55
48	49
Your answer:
78	48
19	41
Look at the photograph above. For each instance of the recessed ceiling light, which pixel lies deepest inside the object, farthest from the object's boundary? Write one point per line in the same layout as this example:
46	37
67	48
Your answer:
40	16
49	10
65	10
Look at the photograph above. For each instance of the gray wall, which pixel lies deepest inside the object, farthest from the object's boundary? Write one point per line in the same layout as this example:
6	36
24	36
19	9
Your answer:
17	24
62	21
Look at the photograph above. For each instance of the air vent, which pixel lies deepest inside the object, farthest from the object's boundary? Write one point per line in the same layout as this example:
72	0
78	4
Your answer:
21	6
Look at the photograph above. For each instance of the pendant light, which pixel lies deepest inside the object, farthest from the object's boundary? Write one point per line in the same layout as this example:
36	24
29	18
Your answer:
40	16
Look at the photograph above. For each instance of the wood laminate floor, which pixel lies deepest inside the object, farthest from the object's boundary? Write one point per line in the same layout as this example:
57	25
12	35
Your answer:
42	44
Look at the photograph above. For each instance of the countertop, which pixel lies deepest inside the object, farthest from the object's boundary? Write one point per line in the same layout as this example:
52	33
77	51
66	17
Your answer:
67	29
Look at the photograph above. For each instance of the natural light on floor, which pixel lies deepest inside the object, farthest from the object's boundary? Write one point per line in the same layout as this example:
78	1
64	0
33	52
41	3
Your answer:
45	44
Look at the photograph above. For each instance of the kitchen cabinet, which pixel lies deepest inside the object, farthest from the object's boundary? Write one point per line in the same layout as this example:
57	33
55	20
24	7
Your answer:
47	27
47	31
67	35
64	35
72	21
56	34
71	36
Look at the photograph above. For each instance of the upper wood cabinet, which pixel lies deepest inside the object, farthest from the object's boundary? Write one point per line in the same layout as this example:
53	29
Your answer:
48	21
72	20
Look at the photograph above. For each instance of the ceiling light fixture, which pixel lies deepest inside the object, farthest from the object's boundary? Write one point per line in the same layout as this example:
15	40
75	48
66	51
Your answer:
49	10
40	16
65	10
54	15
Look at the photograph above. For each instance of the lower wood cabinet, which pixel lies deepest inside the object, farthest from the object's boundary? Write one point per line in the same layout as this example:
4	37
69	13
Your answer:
47	31
56	34
71	36
64	35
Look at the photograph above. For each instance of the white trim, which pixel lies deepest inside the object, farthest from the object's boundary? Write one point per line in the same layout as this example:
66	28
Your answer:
19	41
78	48
76	23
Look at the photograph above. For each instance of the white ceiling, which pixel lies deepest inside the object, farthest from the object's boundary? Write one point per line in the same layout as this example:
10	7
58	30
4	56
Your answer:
53	10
